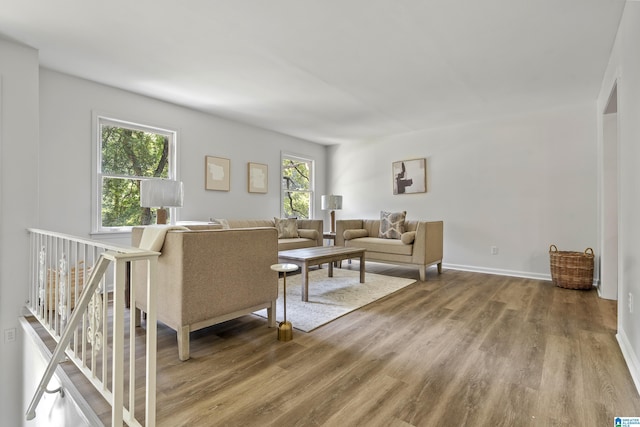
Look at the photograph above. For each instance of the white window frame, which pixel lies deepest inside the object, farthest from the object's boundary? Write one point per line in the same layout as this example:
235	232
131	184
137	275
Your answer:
98	121
312	177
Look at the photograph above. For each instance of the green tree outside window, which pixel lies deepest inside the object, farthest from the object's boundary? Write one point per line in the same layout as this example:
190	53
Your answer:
129	154
297	187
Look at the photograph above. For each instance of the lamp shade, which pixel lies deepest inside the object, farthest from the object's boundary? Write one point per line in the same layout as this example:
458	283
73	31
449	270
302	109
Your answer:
160	193
331	202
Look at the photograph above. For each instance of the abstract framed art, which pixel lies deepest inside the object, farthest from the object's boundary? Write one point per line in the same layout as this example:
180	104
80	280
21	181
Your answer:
216	170
409	176
258	177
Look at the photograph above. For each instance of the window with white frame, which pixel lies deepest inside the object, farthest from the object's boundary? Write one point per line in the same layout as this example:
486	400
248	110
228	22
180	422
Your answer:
297	187
128	153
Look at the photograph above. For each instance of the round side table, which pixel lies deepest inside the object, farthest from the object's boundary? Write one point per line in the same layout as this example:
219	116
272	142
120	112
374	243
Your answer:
285	329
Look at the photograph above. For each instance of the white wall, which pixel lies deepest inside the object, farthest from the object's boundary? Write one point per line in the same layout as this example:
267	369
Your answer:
66	107
624	68
18	208
518	183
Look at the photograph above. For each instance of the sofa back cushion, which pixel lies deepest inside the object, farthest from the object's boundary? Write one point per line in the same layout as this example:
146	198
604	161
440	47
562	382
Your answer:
250	223
372	226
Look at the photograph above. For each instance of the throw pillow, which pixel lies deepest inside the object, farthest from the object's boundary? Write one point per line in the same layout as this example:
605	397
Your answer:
287	228
355	233
306	233
153	236
392	224
408	237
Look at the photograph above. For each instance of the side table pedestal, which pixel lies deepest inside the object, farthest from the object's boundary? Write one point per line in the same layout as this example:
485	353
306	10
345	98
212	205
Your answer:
285	328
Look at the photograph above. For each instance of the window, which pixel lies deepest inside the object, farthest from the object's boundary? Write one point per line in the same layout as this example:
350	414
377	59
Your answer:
127	154
297	187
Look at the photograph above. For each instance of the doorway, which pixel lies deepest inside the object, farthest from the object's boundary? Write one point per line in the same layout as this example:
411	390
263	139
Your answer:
609	201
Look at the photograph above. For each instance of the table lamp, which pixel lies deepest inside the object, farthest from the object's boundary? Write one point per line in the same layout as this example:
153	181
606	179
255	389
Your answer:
333	203
161	194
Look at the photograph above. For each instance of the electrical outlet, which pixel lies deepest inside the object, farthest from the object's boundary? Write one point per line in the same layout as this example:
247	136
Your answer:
494	250
9	335
630	302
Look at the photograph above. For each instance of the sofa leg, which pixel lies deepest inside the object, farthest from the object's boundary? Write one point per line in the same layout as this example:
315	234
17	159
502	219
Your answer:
423	273
183	343
440	268
271	315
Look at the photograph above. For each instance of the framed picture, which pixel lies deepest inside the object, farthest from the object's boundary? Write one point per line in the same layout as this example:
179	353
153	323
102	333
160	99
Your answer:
216	172
258	178
409	176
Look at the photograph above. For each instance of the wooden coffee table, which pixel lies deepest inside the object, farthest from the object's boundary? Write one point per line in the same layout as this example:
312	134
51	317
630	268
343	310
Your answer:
318	255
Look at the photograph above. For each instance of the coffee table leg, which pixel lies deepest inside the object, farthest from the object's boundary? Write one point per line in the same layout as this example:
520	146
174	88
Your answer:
331	269
305	282
362	268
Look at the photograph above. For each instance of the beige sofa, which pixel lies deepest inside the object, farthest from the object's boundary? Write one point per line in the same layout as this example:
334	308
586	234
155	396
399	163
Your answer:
209	275
421	245
309	231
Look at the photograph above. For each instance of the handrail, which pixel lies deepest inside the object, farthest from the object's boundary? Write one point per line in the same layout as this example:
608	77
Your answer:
77	314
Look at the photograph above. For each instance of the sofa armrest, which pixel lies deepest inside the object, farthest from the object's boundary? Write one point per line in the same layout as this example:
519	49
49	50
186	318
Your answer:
427	246
345	224
312	224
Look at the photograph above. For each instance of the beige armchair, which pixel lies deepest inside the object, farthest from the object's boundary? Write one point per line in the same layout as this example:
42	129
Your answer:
206	277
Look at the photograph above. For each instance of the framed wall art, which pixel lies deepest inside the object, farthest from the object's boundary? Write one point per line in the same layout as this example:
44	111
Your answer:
216	172
409	176
258	177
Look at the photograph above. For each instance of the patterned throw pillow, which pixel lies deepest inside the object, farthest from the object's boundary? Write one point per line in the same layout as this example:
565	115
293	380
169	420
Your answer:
287	228
392	224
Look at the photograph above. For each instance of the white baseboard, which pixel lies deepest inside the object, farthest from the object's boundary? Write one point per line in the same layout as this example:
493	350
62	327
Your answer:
630	357
498	271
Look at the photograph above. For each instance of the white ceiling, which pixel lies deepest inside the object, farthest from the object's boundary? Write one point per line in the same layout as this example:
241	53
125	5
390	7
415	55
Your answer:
330	71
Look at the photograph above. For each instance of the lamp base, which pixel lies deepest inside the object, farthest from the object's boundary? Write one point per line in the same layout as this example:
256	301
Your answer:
333	221
285	331
161	216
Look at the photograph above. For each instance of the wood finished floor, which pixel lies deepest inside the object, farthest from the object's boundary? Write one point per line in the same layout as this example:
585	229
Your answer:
461	349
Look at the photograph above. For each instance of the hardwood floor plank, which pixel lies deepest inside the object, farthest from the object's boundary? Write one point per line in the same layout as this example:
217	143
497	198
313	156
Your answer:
561	390
378	400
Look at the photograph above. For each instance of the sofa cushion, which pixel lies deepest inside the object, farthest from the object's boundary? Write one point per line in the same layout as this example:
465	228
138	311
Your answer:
355	233
299	243
391	224
408	237
287	228
378	245
308	234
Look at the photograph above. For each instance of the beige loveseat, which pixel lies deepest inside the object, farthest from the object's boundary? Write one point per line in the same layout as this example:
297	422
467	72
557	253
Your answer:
208	276
309	231
421	245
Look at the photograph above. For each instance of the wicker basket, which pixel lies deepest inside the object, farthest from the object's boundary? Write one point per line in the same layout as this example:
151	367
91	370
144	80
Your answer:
571	270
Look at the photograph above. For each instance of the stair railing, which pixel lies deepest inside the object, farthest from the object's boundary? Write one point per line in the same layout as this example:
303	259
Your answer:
89	320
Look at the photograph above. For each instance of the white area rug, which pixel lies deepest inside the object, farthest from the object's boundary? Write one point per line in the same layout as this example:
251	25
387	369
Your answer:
332	297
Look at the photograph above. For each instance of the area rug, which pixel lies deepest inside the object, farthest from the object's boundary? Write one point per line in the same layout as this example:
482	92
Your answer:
331	297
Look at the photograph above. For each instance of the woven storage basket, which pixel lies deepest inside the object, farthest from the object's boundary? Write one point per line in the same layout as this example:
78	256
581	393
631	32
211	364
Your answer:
571	270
